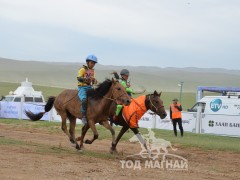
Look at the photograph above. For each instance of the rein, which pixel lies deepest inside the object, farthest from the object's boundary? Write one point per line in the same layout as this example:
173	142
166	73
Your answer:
138	104
113	99
70	99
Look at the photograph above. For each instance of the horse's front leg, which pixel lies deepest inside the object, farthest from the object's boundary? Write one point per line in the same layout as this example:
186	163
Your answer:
91	124
81	138
109	127
141	140
122	131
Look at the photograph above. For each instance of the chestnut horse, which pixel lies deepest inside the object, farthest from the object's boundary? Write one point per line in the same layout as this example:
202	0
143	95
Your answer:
149	102
67	104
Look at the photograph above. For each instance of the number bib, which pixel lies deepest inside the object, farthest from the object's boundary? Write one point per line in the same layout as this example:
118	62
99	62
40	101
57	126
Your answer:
89	73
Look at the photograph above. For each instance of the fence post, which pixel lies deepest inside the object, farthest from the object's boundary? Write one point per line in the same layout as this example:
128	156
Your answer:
20	110
154	121
199	118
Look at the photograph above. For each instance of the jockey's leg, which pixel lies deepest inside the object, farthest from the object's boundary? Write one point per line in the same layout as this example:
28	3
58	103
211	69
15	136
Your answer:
84	111
118	110
83	98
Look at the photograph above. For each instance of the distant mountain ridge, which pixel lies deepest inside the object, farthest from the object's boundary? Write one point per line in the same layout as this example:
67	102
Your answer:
63	74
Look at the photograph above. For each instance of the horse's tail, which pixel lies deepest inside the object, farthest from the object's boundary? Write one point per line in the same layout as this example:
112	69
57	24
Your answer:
38	116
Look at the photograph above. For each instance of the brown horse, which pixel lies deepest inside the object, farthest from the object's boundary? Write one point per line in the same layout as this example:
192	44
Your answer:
150	102
67	104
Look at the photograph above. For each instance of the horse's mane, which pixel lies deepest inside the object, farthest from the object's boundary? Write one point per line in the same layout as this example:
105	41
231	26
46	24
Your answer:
101	90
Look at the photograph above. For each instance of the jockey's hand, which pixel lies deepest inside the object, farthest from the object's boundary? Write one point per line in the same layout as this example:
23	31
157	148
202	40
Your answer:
88	80
93	80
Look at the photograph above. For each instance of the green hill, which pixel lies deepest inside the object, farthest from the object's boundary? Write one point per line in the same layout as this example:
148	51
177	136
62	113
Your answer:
152	78
51	78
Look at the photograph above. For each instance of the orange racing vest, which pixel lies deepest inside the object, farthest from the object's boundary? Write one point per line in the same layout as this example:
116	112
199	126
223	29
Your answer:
135	111
175	112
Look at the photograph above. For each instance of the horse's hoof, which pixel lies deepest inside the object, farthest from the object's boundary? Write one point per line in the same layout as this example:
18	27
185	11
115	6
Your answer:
78	147
72	141
113	151
88	142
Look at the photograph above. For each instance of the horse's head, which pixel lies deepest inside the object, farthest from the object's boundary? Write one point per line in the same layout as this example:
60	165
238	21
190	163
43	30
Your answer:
119	93
155	104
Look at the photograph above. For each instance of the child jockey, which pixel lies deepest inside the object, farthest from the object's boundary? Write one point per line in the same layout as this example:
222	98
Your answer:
124	77
86	79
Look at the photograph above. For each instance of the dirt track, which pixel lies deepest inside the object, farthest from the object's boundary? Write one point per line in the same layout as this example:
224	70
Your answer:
48	155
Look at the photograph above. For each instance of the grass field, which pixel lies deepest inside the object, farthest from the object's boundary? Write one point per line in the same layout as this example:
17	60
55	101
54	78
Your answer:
201	141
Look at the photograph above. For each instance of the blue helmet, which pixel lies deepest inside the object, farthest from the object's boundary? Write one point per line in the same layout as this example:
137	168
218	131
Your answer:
91	57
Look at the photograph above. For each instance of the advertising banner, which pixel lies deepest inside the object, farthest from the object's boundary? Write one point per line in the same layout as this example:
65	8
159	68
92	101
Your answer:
10	110
16	110
221	125
150	120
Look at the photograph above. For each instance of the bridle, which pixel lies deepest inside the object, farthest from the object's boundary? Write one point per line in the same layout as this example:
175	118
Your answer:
157	111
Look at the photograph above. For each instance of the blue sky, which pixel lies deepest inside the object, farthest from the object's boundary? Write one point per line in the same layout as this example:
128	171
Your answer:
163	33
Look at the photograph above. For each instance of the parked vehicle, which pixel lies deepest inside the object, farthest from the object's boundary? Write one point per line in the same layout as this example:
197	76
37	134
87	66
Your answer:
227	105
24	93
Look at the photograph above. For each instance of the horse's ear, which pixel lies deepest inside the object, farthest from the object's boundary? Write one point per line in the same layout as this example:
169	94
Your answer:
160	93
155	93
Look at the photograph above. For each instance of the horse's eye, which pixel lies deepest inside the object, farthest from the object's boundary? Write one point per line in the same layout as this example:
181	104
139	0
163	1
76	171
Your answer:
118	88
156	102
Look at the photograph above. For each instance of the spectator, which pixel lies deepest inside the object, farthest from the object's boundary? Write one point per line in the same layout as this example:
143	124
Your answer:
176	116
